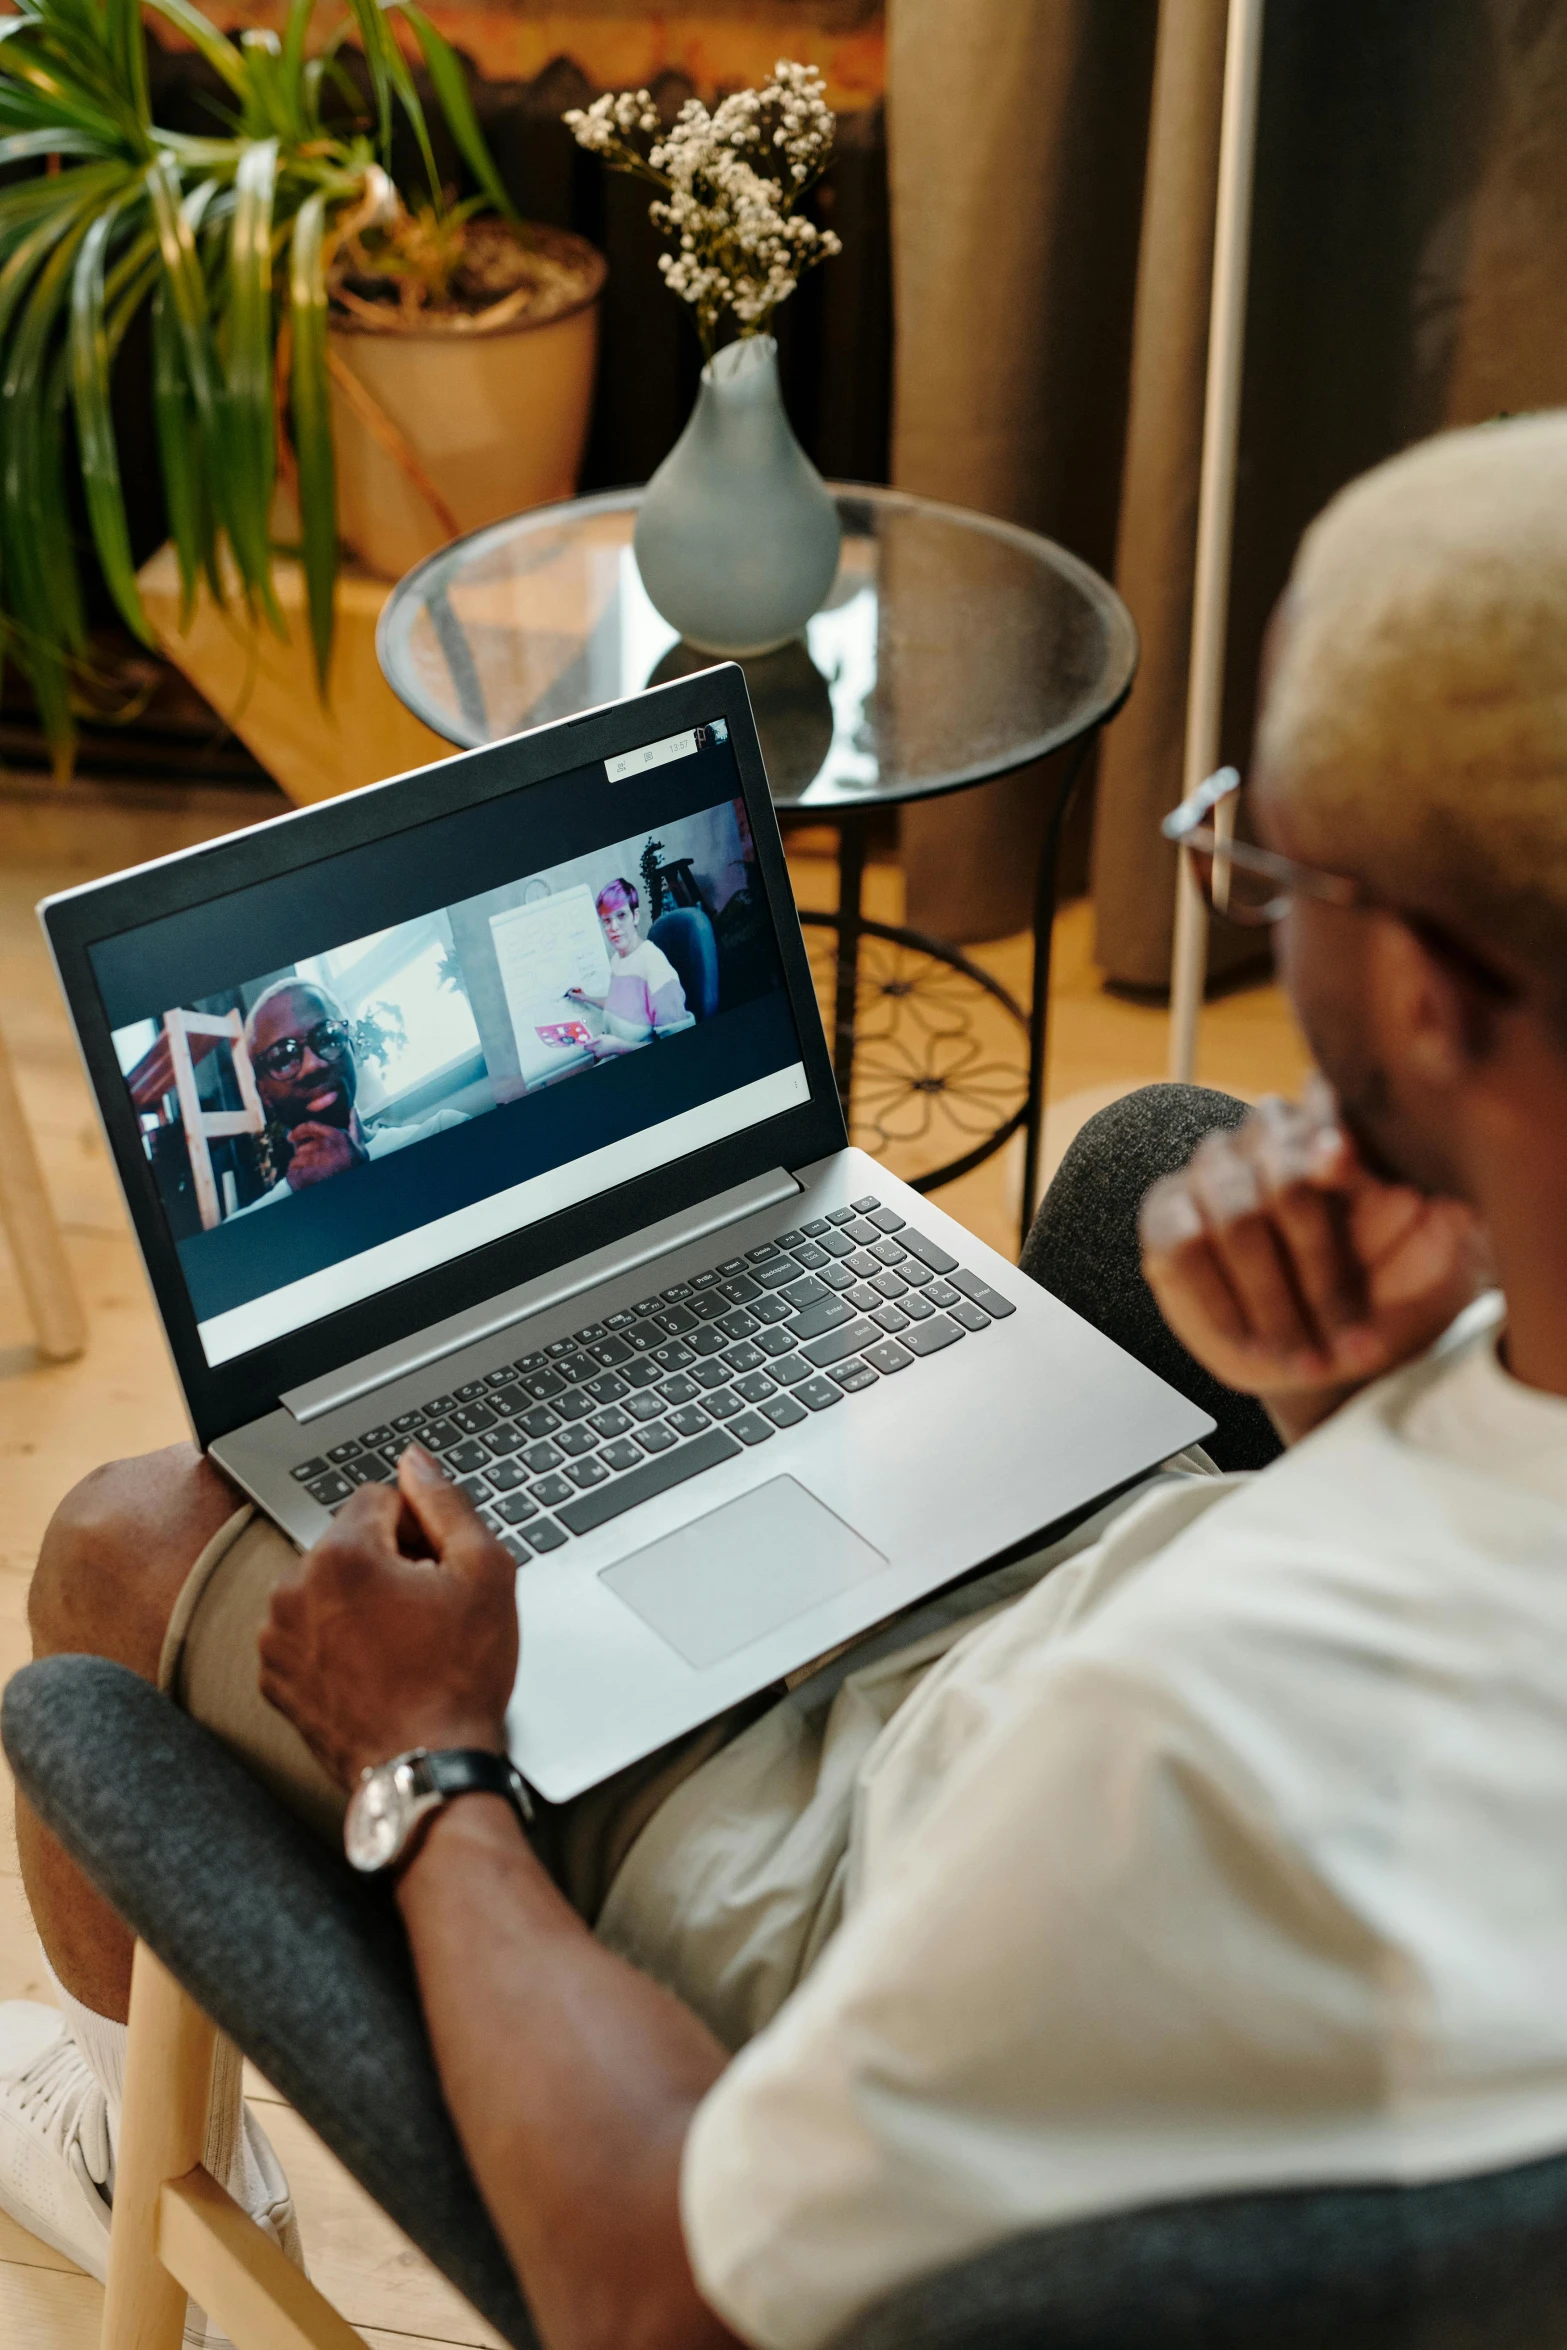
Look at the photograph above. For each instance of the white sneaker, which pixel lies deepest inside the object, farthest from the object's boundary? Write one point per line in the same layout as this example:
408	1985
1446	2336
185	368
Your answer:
57	2164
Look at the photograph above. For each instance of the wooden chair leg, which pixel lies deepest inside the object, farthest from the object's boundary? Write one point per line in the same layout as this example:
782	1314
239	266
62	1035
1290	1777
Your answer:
176	2231
163	2133
34	1236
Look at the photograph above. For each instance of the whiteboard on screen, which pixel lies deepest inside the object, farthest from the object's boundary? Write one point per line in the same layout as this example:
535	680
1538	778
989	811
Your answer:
545	949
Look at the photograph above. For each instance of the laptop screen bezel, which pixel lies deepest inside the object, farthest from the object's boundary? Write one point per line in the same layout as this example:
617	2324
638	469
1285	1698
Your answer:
232	1394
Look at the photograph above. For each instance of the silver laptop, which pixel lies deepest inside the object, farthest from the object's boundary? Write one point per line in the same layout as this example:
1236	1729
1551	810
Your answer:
491	1106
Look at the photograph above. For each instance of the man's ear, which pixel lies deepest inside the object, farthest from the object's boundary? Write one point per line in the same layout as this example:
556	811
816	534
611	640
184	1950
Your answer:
1435	1019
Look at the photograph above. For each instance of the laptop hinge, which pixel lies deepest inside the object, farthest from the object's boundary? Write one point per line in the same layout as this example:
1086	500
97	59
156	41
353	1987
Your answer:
349	1381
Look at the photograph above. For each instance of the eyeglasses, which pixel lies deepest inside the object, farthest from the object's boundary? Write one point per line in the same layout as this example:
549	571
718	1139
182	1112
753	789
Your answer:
1241	883
1252	887
329	1040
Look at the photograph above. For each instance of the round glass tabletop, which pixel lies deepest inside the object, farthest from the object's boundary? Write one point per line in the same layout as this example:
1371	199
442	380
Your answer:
951	649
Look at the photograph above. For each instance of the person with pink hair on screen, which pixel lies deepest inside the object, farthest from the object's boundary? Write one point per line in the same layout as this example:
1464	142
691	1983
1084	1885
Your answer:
644	998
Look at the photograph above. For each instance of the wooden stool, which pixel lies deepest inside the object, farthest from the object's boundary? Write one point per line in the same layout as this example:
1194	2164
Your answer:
175	2230
32	1231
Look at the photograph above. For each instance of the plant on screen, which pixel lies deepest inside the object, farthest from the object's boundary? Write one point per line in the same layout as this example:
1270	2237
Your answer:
227	240
731	184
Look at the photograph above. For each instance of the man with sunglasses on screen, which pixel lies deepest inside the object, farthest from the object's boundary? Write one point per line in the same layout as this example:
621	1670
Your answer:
302	1053
1217	1848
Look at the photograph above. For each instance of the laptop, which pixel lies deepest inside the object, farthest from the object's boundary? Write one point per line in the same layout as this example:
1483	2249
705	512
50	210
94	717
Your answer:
491	1106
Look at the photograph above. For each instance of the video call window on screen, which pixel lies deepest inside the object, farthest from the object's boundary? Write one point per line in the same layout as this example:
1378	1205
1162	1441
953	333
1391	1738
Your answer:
297	1077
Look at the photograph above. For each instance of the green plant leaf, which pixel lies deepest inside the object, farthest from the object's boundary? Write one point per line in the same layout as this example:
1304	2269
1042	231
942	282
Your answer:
389	73
187	290
451	89
311	408
179	454
250	445
127	48
90	391
220	54
24	145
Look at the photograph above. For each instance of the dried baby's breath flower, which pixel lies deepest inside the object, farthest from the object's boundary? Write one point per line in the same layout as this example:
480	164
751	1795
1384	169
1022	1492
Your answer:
730	181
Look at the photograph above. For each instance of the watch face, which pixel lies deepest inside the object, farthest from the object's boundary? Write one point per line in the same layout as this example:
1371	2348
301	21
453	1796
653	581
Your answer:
377	1820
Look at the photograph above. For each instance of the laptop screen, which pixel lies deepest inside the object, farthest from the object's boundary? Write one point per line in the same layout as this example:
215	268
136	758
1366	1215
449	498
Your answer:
361	1070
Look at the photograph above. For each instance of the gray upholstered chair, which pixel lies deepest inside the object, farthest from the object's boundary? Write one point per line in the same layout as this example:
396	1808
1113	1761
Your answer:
304	1967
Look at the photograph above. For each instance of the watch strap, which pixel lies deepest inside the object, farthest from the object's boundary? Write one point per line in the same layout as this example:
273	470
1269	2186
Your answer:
474	1770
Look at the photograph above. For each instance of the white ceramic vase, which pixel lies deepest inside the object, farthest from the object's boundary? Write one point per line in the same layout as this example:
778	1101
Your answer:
737	535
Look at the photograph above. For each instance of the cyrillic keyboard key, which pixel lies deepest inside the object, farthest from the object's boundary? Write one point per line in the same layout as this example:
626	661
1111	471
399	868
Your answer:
657	1436
722	1404
689	1420
517	1508
828	1313
997	1306
587	1472
838	1345
787	1369
622	1454
928	1338
540	1458
552	1490
658	1476
929	1252
574	1442
756	1387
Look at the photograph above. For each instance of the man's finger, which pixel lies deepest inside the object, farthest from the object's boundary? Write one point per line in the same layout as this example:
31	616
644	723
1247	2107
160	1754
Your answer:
457	1535
1227	1186
1194	1297
1314	1229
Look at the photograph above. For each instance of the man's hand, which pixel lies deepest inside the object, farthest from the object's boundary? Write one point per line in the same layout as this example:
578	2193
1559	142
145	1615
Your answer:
398	1630
1295	1275
321	1151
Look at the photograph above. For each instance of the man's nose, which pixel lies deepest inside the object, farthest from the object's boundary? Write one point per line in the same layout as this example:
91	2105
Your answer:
310	1060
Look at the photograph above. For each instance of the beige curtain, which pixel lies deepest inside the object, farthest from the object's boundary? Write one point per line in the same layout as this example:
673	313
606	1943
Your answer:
1015	136
1409	270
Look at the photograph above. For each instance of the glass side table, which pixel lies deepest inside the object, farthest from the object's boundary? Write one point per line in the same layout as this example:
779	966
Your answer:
951	650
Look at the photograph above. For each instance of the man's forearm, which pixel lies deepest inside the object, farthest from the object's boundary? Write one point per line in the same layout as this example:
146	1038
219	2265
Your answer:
572	2080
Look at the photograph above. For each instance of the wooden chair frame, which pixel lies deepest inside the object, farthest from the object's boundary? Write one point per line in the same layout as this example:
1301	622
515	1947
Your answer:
175	2230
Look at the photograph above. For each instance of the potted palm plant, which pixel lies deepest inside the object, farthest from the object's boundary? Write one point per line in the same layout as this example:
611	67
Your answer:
233	243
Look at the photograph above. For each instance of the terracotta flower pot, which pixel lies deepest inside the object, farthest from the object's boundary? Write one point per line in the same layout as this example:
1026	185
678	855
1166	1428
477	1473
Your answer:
461	419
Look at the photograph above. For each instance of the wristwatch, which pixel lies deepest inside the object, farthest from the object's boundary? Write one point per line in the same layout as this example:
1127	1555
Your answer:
393	1798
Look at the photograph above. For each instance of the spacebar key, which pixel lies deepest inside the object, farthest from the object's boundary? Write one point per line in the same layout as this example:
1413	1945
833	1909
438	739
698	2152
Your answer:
654	1476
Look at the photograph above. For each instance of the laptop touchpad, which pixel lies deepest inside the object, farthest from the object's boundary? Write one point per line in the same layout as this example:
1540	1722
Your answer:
748	1569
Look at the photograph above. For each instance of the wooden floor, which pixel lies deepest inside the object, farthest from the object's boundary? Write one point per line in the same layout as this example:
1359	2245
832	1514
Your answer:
55	1423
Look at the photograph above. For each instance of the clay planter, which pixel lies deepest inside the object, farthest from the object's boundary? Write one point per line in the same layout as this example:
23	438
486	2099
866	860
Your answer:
461	418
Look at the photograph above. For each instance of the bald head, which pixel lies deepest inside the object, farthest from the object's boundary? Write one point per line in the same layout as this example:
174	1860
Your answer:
1415	722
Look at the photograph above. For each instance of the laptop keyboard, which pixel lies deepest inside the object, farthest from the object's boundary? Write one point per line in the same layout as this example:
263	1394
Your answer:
565	1439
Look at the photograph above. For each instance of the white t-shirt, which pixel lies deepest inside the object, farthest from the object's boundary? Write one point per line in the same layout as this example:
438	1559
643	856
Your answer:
1231	1855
